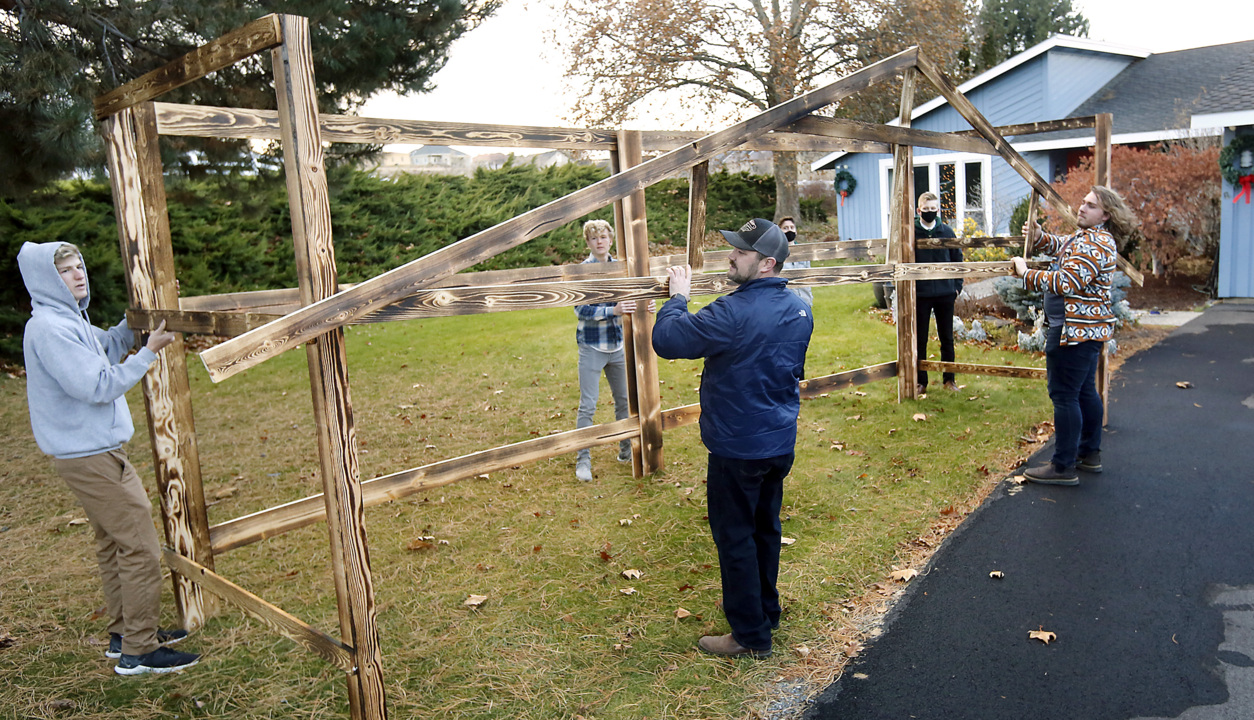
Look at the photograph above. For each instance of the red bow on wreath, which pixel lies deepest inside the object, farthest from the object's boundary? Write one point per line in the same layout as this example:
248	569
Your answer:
1246	181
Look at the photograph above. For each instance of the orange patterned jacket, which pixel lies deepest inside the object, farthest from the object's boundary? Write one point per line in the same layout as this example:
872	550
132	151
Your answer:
1086	268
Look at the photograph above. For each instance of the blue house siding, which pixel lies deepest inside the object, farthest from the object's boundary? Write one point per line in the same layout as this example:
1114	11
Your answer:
1049	86
1236	251
1073	77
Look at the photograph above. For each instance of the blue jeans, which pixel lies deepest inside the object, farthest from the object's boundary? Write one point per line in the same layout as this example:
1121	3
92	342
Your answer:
1071	372
744	498
592	363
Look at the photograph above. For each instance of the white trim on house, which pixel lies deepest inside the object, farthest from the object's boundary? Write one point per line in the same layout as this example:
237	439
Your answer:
932	162
1065	41
1123	139
1221	120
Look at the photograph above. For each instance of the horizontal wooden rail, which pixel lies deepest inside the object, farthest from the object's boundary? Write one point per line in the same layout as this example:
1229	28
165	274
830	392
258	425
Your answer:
888	135
998	370
260	34
1075	123
332	650
810	388
970	243
299	513
453	301
249	124
344	308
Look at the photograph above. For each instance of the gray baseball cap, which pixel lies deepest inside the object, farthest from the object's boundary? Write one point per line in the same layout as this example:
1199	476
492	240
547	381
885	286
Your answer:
762	236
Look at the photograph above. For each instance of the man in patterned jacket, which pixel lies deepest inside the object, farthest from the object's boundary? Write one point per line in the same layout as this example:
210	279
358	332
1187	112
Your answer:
1080	321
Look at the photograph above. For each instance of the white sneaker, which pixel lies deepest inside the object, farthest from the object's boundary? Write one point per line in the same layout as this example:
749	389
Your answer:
583	469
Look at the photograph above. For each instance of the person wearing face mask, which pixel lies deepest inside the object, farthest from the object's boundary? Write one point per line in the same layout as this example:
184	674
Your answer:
935	297
789	226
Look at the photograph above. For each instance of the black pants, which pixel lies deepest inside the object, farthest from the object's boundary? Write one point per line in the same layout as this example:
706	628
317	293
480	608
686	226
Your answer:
744	501
943	308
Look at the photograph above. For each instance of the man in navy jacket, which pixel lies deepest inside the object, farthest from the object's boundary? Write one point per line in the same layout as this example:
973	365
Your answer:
754	342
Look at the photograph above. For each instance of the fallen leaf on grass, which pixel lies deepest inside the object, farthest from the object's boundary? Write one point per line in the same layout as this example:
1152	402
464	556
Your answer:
419	544
801	651
7	640
628	591
631	574
918	417
681	613
475	601
1043	635
78	521
1184	384
997	574
787	540
223	493
903	575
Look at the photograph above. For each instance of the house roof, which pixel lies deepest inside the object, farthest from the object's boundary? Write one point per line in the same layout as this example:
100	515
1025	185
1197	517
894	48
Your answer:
437	150
1156	97
1165	90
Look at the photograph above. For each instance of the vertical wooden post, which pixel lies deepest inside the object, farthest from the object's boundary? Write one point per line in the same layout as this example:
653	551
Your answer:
901	249
1027	242
698	186
144	235
328	369
1101	168
636	244
629	345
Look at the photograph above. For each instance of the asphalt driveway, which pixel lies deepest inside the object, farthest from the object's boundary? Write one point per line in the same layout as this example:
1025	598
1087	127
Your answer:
1145	573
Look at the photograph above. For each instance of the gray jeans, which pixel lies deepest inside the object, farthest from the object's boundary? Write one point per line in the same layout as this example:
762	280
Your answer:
591	363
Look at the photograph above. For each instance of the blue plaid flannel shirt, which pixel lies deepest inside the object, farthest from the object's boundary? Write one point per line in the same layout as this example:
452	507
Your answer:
598	327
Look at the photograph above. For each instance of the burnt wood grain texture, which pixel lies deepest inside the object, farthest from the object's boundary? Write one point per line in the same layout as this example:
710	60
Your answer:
328	367
148	256
1075	123
306	511
1010	371
272	616
258	345
889	135
644	360
256	36
901	239
1032	204
1101	176
698	188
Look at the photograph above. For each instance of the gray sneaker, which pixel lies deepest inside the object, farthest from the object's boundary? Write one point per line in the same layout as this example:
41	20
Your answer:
583	469
161	660
624	453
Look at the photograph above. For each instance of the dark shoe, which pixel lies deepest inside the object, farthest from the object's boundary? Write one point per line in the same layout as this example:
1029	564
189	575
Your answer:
624	454
165	637
920	390
727	646
1091	462
161	660
1051	474
951	386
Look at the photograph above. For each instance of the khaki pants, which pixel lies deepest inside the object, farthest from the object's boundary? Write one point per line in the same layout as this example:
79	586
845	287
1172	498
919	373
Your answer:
127	549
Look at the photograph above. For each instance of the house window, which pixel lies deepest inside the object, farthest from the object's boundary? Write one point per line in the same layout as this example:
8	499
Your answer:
959	182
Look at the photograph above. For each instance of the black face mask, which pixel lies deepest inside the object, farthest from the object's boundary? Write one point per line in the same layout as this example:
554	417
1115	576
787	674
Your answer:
792	236
928	216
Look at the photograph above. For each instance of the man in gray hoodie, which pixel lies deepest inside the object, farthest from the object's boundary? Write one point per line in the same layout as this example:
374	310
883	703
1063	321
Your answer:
77	376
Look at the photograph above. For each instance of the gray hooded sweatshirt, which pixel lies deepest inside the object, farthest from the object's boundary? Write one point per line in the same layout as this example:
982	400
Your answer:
75	381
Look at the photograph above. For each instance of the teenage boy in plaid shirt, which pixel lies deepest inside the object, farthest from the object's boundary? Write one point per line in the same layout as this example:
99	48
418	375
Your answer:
599	333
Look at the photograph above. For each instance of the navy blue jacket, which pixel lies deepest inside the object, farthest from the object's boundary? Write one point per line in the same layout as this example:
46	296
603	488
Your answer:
936	288
754	342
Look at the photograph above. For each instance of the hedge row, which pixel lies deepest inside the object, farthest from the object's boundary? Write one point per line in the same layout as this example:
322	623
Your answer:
234	233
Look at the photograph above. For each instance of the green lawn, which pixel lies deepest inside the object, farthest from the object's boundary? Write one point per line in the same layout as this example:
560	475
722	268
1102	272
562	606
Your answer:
558	637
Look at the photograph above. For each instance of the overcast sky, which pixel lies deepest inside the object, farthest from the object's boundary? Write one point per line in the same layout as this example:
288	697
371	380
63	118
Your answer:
505	71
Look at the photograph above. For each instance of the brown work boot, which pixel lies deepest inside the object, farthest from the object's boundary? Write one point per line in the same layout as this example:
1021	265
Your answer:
951	386
727	646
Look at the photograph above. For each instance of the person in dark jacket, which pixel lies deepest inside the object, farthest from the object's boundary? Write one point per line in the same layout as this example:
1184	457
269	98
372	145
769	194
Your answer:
935	297
754	342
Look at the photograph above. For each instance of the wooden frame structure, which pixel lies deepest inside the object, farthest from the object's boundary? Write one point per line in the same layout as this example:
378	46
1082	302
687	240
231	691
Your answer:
264	324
